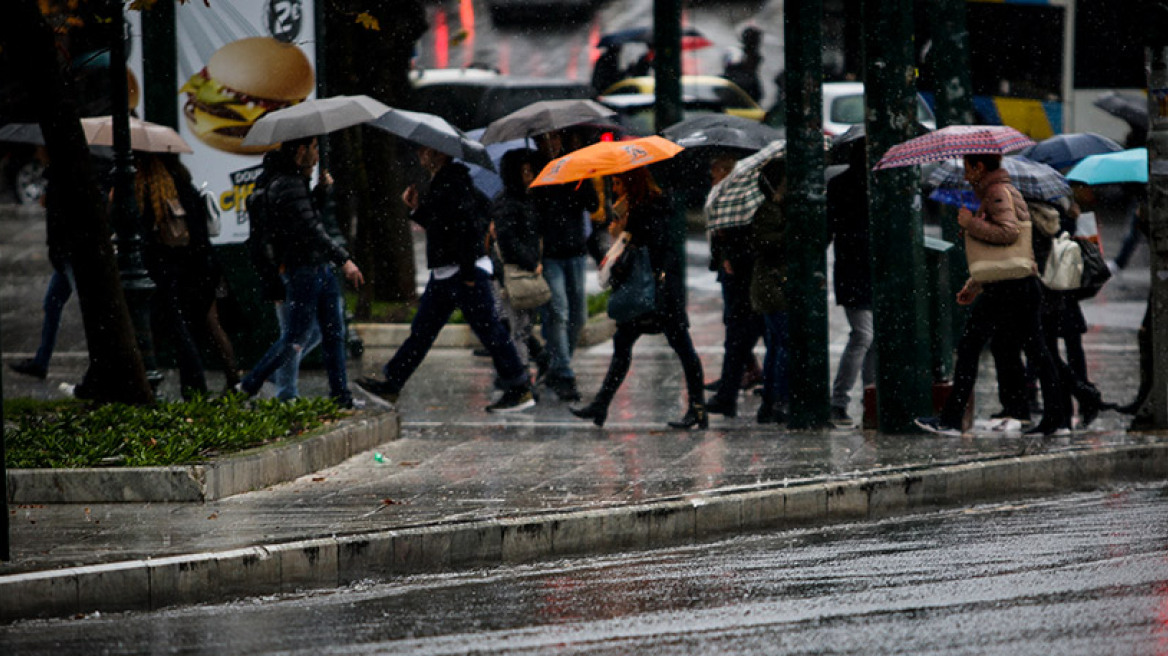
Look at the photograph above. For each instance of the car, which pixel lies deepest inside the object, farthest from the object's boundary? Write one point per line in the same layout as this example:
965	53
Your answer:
472	98
636	112
701	92
843	107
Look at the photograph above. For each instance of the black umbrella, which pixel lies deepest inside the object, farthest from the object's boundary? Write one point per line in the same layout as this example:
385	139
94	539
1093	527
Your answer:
1133	109
434	132
543	117
855	137
721	131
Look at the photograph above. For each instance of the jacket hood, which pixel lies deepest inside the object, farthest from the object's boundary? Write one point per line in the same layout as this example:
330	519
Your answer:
990	179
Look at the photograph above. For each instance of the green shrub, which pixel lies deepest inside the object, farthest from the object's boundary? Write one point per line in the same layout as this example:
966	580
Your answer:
75	434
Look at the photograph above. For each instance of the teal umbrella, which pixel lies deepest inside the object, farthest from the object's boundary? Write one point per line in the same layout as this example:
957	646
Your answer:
1112	168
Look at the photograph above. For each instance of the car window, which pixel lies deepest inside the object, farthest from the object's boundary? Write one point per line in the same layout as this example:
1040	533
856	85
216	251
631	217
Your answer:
848	109
500	101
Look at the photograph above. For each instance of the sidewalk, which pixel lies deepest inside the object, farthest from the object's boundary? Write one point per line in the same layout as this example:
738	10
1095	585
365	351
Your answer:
462	487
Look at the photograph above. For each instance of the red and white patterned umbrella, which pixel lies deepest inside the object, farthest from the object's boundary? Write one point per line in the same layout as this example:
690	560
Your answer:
953	142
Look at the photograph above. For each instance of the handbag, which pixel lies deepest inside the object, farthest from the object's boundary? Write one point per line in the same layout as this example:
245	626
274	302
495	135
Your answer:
525	289
604	276
172	226
1064	265
995	262
635	292
1095	271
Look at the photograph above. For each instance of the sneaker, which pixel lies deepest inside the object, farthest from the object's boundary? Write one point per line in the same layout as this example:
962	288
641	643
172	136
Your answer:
29	368
378	388
935	426
840	418
350	403
565	389
513	400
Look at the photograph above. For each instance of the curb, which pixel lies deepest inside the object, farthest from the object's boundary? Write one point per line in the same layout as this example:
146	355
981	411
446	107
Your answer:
342	560
391	335
234	474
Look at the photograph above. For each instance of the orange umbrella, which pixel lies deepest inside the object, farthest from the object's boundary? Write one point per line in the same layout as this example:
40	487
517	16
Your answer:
606	158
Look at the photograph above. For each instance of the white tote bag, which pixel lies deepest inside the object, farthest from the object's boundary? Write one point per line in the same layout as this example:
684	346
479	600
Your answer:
1064	265
613	254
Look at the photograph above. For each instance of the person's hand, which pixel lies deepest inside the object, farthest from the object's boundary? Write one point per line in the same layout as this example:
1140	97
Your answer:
727	268
410	197
352	273
968	292
539	269
964	217
326	178
468	283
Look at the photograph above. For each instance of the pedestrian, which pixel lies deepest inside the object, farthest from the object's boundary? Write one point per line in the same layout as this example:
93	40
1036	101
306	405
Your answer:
455	218
1136	196
647	222
563	216
607	69
1004	291
741	64
768	293
847	227
307	255
732	257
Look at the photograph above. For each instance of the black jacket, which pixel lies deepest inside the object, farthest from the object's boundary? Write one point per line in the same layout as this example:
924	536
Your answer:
455	216
517	230
847	224
561	214
648	225
294	222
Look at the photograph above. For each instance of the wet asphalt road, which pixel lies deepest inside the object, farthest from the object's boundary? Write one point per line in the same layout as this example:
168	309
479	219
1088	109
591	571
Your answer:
1084	574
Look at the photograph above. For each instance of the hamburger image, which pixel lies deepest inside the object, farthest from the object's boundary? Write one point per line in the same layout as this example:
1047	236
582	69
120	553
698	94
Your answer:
242	81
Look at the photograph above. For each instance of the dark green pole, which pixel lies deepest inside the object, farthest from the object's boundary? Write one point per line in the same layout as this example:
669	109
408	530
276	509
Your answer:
322	79
160	65
5	551
806	207
667	61
1154	413
903	385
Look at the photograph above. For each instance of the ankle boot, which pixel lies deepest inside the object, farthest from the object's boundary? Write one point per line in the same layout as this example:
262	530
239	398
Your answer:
695	416
597	411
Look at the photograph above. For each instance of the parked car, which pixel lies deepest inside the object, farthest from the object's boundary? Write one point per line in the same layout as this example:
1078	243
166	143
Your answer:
700	92
472	98
843	107
636	112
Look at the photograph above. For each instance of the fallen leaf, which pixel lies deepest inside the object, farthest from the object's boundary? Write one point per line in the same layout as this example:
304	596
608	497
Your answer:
389	502
410	463
213	516
368	21
318	479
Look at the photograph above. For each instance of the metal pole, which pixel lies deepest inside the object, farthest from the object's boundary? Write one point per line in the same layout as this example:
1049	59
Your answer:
160	65
1155	407
903	385
806	204
667	61
136	283
5	552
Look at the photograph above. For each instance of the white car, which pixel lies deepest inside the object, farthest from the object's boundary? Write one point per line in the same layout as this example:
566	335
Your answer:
843	107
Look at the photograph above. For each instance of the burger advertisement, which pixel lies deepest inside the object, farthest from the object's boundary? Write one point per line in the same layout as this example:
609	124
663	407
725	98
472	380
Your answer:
237	61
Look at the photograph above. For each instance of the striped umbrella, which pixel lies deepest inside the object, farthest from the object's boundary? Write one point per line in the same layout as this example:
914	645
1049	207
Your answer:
1034	180
734	201
953	142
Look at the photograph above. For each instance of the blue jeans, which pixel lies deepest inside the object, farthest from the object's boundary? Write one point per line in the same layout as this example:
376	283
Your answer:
477	303
313	297
287	376
58	292
564	316
775	384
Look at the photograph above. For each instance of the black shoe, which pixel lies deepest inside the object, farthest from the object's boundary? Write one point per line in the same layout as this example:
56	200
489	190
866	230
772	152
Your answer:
29	368
481	352
378	388
695	416
597	412
717	406
714	385
1130	408
771	413
565	389
840	418
350	403
513	400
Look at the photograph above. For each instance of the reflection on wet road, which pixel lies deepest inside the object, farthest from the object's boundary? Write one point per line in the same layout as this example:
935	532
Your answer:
1085	574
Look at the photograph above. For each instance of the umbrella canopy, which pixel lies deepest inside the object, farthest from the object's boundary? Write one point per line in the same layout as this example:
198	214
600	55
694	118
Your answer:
952	142
1065	150
144	136
735	200
606	158
25	133
489	182
1034	180
1112	168
1133	109
691	39
721	131
434	132
312	118
543	117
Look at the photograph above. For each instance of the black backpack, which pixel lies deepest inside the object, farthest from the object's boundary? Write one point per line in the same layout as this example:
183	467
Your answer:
260	244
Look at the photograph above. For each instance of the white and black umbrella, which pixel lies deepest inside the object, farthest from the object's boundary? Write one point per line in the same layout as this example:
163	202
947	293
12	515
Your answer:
434	132
545	116
313	118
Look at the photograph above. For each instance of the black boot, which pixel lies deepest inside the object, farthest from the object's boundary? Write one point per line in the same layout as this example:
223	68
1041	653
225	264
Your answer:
1090	403
597	411
695	416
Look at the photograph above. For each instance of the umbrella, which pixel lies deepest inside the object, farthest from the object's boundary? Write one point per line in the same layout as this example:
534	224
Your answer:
25	133
735	200
434	132
721	131
606	158
840	150
955	196
487	180
952	142
312	118
691	39
144	136
1112	168
1064	150
543	117
1034	180
1133	109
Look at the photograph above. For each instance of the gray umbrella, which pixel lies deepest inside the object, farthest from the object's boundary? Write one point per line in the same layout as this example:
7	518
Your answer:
543	117
722	131
434	132
313	118
26	133
1133	109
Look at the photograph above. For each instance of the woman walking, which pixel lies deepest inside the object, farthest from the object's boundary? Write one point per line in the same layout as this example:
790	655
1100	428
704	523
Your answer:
648	225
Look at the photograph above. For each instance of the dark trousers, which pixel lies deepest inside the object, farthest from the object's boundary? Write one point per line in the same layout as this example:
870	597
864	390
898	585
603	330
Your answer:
1007	311
477	303
679	340
743	329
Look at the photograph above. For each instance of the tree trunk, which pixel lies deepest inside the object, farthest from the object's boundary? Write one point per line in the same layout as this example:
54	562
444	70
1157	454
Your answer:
115	371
